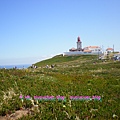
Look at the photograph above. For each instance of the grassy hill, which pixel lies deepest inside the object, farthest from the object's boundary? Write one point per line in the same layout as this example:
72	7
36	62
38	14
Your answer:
59	59
82	75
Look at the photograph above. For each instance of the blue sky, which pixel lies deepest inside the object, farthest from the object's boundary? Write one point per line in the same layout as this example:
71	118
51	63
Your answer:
32	30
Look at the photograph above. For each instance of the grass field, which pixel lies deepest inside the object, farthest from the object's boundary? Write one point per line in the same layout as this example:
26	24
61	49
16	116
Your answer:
72	76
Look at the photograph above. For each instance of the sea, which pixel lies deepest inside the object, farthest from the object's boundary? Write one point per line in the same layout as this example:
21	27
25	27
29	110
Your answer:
17	66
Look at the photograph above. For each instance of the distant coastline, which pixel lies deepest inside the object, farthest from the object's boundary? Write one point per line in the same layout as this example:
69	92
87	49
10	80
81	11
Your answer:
13	66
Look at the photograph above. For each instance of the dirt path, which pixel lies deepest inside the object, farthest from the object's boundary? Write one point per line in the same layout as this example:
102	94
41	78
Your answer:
14	116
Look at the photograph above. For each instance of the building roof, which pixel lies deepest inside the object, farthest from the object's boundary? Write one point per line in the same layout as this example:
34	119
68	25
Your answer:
109	49
72	49
93	47
87	51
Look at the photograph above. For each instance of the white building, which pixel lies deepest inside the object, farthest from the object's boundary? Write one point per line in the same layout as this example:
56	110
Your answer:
93	48
109	50
90	50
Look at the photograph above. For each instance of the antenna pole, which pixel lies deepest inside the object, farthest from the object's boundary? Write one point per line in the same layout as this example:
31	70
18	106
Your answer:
113	48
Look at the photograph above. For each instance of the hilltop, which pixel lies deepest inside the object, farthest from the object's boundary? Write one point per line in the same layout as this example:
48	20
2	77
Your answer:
60	59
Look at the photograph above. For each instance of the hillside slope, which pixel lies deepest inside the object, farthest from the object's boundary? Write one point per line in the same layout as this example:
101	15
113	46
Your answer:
80	76
59	59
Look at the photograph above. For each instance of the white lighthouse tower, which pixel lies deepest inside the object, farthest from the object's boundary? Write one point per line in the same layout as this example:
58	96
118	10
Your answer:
79	44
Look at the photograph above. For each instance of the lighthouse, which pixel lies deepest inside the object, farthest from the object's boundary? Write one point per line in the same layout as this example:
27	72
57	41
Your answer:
79	44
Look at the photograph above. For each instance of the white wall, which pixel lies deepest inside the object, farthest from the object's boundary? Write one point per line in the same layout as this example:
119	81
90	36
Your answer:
81	53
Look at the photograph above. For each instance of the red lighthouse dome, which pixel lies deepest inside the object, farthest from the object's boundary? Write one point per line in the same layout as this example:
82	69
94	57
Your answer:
78	39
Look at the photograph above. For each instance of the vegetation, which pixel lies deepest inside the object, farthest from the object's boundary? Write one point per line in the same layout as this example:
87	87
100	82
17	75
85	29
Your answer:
72	76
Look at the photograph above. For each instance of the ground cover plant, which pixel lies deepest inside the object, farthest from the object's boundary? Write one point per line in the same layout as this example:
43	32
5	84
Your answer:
72	76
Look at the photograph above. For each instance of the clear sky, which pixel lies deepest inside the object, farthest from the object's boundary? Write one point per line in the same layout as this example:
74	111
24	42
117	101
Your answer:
31	30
